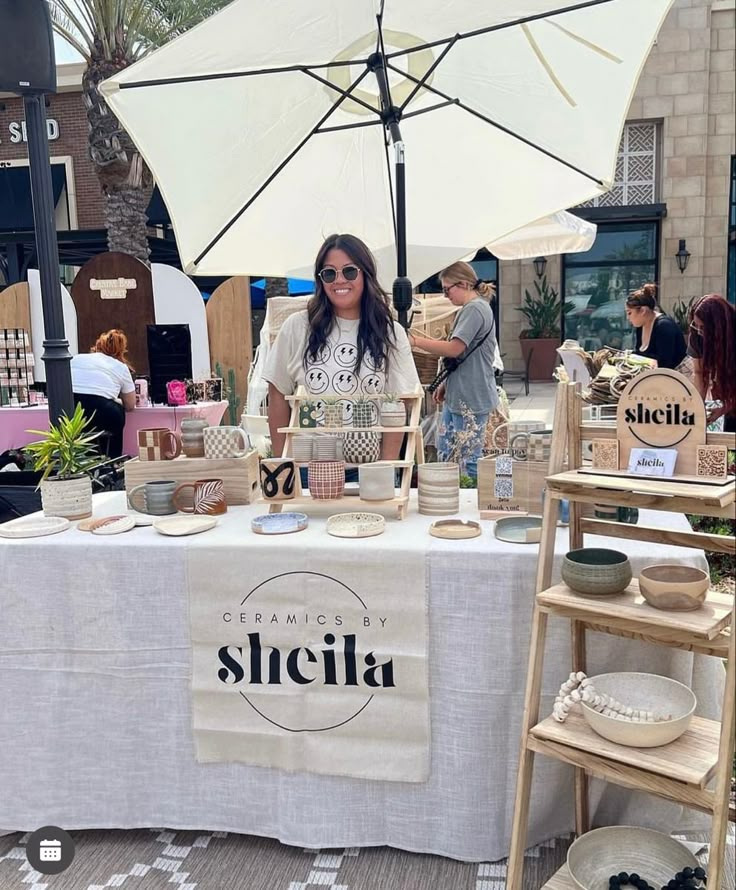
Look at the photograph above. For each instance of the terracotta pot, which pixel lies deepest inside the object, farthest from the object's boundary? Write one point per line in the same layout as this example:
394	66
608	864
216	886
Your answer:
540	356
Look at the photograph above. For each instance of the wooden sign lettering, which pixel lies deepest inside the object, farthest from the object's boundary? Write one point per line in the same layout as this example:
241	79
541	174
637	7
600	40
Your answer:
661	409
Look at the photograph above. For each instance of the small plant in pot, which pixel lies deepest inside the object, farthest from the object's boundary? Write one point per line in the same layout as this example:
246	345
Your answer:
364	412
393	411
333	411
65	456
539	341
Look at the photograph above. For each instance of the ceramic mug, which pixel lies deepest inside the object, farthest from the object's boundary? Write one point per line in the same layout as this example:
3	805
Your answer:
208	497
192	436
222	442
536	445
154	498
158	443
278	479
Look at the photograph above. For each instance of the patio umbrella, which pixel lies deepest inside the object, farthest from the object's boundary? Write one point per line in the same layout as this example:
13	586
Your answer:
560	232
270	125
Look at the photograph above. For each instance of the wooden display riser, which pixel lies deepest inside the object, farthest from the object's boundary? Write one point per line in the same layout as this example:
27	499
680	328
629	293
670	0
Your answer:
345	504
676	479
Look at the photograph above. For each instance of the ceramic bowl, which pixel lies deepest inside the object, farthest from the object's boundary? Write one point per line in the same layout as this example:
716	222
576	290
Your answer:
279	523
648	692
596	571
603	852
675	588
356	525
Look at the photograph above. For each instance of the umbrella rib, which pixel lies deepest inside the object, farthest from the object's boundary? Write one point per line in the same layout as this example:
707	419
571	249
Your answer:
429	108
499	126
428	73
374	123
491	28
344	93
278	169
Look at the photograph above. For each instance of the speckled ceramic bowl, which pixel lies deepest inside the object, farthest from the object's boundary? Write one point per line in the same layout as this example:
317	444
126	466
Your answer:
596	571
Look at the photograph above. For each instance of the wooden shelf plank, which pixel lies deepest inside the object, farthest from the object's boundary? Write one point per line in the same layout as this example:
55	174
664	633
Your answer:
349	466
561	880
344	502
691	759
712	495
306	430
706	622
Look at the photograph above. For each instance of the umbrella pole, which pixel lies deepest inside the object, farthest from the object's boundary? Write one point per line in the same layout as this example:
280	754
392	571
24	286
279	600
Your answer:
402	289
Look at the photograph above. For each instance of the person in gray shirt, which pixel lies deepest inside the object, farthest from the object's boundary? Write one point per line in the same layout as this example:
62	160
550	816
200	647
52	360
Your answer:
470	387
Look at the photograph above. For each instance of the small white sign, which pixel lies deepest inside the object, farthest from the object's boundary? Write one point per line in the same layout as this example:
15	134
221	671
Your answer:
652	461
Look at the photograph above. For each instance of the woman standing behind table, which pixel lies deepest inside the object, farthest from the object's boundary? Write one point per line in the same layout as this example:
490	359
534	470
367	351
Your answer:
657	335
102	383
471	386
345	344
712	347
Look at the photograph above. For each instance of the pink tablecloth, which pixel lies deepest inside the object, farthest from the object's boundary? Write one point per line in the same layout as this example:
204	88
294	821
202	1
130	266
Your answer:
14	422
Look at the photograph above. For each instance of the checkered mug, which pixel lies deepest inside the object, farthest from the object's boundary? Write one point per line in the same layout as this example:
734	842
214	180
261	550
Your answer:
158	443
222	442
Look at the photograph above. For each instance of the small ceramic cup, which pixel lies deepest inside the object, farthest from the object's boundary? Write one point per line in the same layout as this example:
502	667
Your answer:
278	479
158	443
154	498
223	442
208	497
376	481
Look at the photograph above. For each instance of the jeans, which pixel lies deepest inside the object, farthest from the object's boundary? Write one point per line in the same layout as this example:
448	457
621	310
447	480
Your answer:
466	454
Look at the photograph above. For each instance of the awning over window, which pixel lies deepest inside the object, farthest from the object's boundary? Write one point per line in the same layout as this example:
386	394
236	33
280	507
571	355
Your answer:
16	205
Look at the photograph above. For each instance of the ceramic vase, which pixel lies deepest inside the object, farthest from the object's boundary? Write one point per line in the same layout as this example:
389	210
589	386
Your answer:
393	414
70	498
192	436
439	489
333	415
326	479
377	481
361	448
307	415
364	414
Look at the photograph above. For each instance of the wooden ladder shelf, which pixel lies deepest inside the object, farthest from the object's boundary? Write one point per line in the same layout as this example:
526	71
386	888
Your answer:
695	770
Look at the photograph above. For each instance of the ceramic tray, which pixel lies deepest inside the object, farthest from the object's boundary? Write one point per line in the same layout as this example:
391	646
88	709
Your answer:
597	855
279	523
33	526
519	529
454	529
112	525
184	525
356	525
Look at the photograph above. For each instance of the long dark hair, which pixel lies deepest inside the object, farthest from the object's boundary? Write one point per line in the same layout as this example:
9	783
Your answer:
718	362
376	326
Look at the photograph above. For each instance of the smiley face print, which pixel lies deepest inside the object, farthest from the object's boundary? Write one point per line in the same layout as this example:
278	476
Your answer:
345	355
344	382
317	381
372	384
323	356
347	411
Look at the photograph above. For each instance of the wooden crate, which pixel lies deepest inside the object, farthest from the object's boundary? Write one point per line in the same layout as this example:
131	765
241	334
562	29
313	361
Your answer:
240	474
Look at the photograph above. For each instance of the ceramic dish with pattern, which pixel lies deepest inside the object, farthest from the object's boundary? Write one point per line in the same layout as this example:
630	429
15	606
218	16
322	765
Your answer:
279	523
519	529
176	526
34	526
356	525
113	525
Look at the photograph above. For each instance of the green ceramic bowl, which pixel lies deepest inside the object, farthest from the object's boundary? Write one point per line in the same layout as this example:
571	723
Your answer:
596	571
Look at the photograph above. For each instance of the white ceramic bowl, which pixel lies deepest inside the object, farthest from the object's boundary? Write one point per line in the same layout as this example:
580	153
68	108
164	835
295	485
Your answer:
598	854
648	692
674	588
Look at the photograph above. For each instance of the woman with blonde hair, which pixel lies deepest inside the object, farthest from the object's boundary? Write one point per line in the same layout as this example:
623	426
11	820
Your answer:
469	386
103	386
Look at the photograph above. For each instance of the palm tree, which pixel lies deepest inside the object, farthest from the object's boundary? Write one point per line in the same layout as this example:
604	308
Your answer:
110	35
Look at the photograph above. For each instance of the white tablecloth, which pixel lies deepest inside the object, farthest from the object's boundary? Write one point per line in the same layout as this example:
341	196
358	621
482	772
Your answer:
95	722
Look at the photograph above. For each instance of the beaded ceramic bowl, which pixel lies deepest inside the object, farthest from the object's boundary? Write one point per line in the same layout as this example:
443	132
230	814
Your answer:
644	692
603	852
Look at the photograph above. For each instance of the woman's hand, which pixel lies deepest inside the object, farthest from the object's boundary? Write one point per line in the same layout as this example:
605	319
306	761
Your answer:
438	396
715	414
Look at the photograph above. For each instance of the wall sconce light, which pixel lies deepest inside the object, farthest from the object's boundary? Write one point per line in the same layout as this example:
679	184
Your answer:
540	264
682	256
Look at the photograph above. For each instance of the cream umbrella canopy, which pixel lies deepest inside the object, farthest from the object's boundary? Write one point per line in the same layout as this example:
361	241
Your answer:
269	126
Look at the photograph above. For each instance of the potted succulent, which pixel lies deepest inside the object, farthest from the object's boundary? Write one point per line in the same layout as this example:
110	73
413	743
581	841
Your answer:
65	456
364	412
332	411
393	411
539	341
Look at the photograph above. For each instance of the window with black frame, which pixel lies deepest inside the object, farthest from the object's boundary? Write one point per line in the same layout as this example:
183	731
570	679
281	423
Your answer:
623	257
486	268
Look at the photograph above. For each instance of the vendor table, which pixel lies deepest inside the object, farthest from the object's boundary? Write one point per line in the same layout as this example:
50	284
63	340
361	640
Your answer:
15	421
96	716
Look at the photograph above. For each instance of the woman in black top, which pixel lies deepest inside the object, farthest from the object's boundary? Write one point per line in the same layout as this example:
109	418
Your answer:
657	335
711	347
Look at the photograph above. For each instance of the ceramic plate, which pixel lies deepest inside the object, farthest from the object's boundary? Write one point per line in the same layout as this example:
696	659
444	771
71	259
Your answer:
356	525
34	526
519	529
184	525
113	525
279	523
142	518
454	529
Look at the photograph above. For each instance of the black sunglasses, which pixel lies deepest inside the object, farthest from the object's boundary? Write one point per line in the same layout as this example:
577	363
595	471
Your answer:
329	275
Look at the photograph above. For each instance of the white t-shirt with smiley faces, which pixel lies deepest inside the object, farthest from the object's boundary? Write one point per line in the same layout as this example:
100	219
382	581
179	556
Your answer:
333	371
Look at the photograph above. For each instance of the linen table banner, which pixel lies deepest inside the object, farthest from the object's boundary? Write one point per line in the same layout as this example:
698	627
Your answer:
312	658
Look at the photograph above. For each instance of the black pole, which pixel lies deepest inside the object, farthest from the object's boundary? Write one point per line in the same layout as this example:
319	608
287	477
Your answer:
402	289
55	345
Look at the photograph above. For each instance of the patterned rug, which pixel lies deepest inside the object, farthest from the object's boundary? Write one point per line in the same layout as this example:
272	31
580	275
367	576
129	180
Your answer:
162	859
